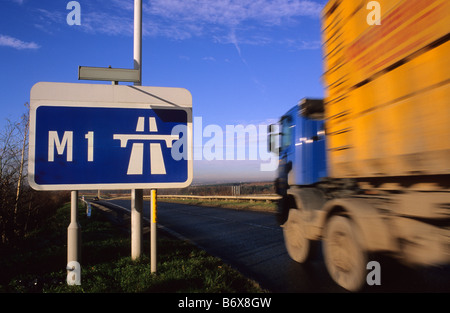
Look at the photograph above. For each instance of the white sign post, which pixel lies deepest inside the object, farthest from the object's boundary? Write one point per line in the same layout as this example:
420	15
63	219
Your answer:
137	195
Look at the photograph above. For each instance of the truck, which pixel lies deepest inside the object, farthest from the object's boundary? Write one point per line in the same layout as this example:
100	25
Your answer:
366	170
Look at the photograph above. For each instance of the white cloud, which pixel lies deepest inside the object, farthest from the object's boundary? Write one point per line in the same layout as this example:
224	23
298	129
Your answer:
302	45
237	22
233	12
123	4
49	17
209	59
15	43
105	23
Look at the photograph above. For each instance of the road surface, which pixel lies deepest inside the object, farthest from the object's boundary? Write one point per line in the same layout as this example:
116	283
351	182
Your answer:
252	243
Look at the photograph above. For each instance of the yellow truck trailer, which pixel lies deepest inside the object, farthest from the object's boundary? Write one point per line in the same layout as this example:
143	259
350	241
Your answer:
387	88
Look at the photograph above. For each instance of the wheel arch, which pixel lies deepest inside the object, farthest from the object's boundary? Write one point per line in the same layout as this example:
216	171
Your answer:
369	222
286	203
309	201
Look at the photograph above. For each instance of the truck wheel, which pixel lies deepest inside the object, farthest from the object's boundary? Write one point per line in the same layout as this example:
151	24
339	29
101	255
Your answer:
297	245
345	258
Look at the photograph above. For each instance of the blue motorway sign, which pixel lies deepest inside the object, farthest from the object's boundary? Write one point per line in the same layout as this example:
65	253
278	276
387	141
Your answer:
75	147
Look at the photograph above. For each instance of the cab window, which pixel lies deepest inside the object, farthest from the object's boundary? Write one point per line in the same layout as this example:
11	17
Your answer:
286	132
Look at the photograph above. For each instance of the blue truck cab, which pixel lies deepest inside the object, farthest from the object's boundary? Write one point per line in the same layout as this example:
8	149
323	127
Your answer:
301	149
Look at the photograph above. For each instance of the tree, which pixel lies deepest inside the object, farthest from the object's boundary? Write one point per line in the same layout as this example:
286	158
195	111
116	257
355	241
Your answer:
24	128
9	150
21	208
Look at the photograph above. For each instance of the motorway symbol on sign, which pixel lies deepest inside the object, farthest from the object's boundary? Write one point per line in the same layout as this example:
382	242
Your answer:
136	162
125	138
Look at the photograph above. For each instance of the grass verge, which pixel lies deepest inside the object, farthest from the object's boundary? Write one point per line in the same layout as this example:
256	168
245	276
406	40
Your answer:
38	263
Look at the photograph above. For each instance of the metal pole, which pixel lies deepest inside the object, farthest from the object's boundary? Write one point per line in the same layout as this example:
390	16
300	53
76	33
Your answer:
137	48
73	231
137	195
153	221
136	223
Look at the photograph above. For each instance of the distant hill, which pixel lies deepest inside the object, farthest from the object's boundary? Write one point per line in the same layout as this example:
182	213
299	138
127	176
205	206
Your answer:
225	189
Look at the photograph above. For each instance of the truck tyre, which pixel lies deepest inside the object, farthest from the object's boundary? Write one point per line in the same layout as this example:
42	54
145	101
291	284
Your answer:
345	258
297	245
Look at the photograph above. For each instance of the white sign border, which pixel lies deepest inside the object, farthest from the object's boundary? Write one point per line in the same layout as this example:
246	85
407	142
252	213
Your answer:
57	94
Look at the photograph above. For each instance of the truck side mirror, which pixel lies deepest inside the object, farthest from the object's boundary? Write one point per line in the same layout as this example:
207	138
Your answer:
273	138
312	108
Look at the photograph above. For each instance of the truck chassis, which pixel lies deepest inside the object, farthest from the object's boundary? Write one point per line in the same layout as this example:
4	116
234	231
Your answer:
356	220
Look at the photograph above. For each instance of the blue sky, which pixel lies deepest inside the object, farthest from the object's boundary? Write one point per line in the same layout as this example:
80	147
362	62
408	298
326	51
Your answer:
244	61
